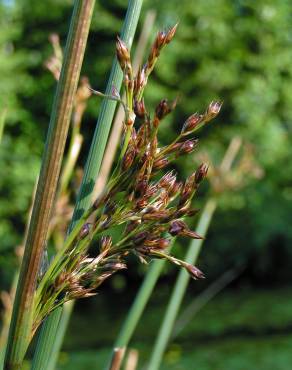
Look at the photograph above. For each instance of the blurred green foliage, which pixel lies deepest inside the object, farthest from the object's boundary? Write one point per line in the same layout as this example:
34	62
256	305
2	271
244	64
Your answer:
234	331
237	51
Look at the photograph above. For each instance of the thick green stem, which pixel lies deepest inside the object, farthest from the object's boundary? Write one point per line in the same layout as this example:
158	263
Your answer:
85	194
21	324
180	287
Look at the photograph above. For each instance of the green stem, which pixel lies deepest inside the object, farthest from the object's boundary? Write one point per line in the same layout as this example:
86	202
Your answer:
3	115
73	153
191	257
21	323
52	341
180	287
139	304
90	174
142	298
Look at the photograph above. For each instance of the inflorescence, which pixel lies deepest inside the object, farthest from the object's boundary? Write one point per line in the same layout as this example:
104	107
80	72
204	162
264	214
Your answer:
146	206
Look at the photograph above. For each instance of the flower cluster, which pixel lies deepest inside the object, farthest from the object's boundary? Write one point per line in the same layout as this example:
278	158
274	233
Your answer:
144	203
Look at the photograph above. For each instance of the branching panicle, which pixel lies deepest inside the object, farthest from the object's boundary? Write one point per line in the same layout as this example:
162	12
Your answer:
148	205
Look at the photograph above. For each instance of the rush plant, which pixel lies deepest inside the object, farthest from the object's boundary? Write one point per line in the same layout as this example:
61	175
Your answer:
142	203
142	208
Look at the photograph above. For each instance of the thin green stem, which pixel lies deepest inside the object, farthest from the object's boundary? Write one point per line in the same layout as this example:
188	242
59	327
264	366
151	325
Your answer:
58	340
73	153
180	287
92	168
141	300
191	257
139	304
3	115
21	323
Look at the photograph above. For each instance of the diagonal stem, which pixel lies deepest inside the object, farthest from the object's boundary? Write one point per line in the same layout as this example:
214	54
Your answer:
192	254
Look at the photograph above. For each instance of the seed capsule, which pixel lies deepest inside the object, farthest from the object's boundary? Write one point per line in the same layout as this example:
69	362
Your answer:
123	54
194	271
191	123
84	231
139	108
188	146
213	109
160	163
201	173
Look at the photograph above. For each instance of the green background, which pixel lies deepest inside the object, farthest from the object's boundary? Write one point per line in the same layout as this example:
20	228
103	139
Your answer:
236	51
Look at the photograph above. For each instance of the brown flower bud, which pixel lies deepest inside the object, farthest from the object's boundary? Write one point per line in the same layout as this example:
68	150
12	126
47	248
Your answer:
160	39
123	54
155	216
140	80
201	173
128	158
176	227
191	234
162	109
188	146
105	243
175	189
167	180
191	123
193	271
179	227
141	203
84	230
114	266
191	212
213	110
187	190
141	188
140	237
170	34
139	108
141	137
159	243
160	163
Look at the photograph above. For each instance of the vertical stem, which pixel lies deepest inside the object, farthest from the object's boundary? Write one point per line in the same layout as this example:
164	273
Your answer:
105	118
21	323
117	125
191	257
180	286
152	275
2	122
56	323
91	171
139	304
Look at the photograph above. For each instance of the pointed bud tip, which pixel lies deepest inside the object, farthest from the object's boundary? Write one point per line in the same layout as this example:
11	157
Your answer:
214	108
194	271
201	172
170	34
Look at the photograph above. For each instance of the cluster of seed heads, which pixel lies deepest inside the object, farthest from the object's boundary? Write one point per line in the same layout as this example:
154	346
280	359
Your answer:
144	203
